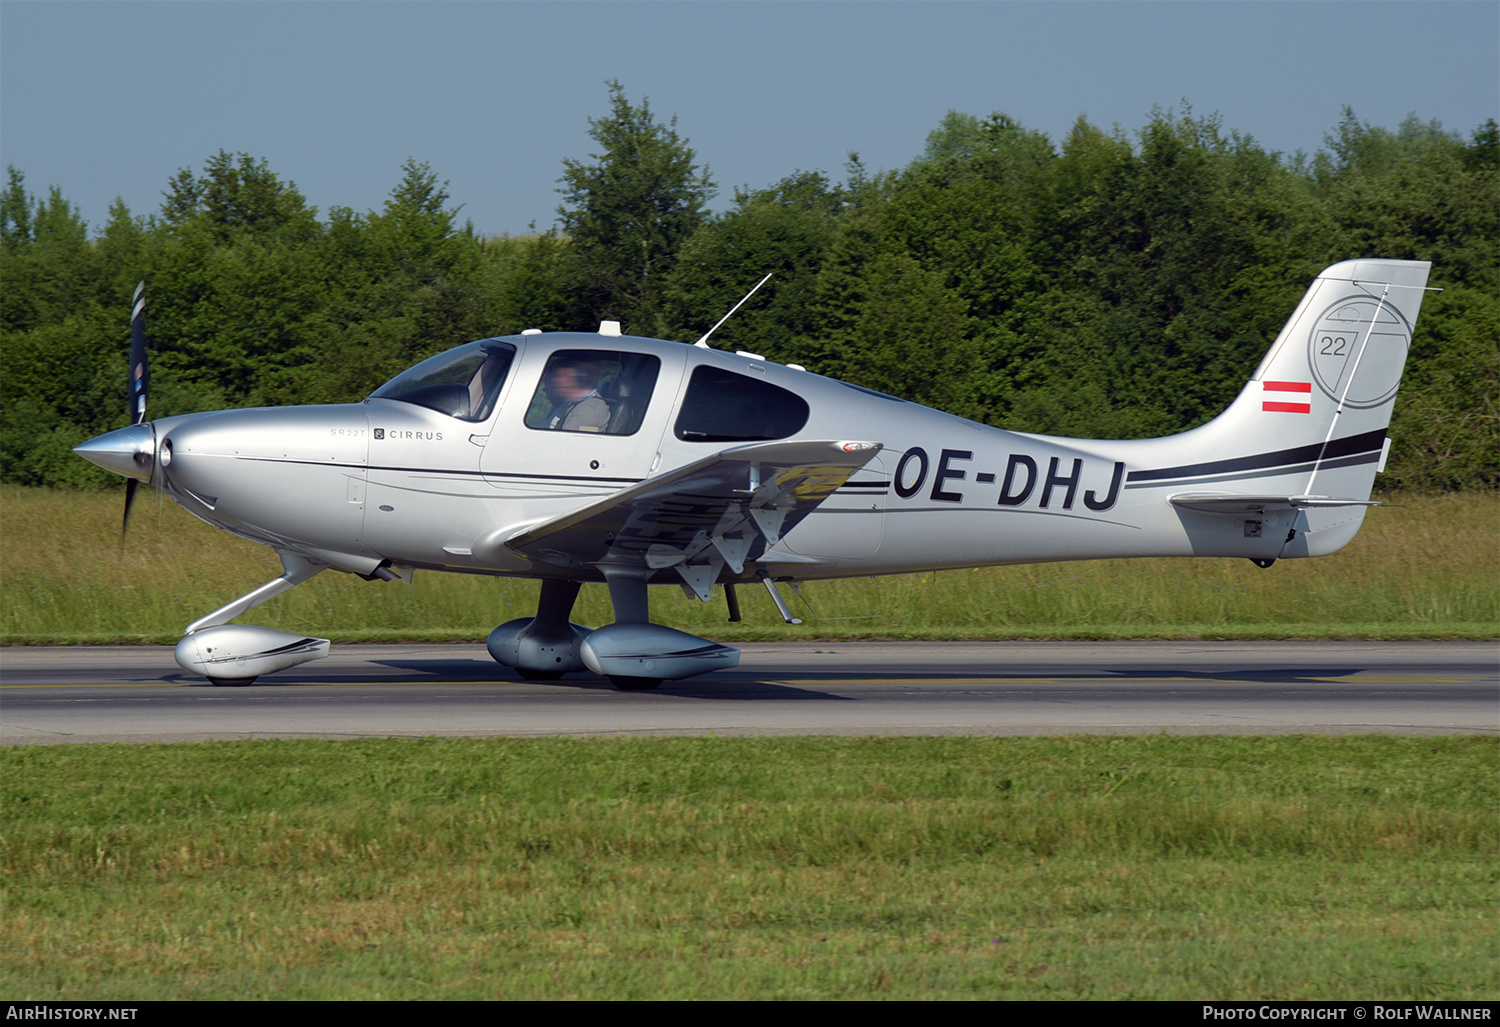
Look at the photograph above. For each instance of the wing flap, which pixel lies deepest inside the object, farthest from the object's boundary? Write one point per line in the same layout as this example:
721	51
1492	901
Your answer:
725	508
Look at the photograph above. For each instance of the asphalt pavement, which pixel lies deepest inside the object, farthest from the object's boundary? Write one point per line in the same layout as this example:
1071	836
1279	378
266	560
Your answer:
138	694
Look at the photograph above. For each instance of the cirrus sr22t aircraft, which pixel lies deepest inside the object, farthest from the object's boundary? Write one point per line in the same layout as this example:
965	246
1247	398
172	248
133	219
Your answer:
574	457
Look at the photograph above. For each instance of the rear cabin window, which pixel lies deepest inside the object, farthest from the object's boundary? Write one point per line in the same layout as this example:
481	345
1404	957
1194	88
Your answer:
722	406
605	392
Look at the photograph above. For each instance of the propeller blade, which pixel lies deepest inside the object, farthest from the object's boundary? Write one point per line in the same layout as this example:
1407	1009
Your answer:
130	487
139	383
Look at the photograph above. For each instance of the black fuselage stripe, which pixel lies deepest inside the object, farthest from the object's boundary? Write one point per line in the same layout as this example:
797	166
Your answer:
1271	472
1317	451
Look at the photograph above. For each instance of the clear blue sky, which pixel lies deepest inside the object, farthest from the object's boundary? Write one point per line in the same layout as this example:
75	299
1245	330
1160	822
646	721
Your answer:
110	99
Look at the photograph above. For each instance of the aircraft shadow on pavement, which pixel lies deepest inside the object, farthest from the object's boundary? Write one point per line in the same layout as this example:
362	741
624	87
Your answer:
734	684
722	685
742	686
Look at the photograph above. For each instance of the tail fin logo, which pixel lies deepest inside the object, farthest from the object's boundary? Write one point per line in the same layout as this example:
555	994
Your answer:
1287	398
1367	334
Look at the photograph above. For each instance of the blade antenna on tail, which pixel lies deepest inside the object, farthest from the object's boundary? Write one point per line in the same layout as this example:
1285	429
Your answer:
137	383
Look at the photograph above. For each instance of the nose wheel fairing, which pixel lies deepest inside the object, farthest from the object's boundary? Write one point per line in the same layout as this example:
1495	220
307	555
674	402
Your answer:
239	653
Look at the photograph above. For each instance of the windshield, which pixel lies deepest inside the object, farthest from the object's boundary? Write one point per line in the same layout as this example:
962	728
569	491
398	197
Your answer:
462	383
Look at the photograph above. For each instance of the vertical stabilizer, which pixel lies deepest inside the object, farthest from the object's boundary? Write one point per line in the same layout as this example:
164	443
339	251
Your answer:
1330	379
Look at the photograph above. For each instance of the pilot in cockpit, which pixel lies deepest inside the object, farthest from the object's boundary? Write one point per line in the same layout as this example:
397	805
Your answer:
572	387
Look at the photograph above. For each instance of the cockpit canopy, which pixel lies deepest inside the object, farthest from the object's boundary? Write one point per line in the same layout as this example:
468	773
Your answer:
603	391
462	382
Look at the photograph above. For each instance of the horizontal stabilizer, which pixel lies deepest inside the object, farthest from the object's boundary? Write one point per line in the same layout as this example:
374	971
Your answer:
1234	505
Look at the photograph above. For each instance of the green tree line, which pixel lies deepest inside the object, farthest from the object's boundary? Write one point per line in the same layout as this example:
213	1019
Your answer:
1105	285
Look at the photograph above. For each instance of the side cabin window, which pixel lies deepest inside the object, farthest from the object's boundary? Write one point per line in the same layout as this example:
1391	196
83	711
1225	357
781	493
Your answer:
462	382
587	390
723	406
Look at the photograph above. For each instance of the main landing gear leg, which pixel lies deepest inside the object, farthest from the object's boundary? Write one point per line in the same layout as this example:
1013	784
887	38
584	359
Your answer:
627	595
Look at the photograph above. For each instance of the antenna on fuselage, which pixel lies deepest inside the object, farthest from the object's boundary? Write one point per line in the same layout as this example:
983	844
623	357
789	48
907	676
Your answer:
703	342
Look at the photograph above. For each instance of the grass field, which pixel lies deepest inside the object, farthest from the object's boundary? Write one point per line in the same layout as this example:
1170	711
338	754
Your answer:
1421	567
1293	867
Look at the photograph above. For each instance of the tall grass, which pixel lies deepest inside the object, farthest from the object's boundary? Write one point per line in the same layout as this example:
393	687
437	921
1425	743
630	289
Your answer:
1420	567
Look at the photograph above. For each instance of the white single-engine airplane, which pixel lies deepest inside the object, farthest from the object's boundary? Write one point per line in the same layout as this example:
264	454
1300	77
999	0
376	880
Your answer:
574	457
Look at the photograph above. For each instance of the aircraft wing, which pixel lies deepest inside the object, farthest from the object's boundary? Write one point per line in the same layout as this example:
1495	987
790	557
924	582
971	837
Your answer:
1232	505
724	509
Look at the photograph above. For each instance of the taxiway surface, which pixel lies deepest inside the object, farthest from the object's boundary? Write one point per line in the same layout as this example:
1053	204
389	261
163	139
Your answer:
138	694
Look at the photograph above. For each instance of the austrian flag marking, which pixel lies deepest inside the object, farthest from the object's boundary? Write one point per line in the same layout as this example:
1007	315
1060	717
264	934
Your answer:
1287	397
